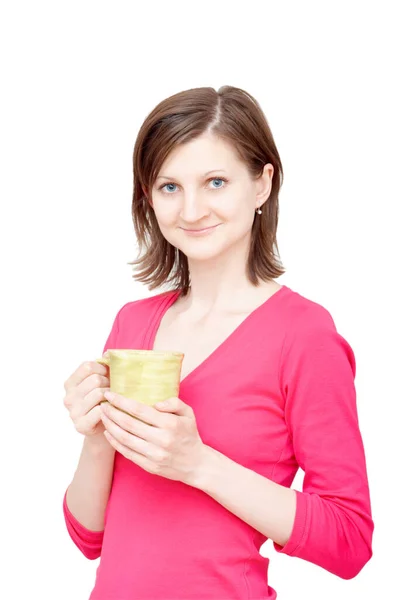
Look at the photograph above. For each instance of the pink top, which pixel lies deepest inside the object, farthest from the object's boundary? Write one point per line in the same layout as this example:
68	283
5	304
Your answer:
276	395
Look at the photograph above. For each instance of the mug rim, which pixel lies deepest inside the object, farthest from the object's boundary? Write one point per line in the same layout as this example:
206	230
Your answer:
145	351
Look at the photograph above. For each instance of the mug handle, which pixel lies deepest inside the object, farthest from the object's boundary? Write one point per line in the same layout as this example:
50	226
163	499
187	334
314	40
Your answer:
104	360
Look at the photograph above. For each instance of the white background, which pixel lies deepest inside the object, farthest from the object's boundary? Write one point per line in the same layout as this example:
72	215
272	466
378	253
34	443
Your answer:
78	79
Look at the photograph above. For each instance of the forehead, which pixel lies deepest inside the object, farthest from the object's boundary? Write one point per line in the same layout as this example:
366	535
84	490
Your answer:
203	154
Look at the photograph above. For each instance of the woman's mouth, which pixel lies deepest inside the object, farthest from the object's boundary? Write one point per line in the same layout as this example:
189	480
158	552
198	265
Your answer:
203	231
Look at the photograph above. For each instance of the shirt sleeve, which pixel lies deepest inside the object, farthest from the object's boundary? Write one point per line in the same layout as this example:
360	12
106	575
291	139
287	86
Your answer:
89	542
333	525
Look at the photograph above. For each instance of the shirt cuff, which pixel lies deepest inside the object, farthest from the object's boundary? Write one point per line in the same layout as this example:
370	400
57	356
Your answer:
85	535
299	526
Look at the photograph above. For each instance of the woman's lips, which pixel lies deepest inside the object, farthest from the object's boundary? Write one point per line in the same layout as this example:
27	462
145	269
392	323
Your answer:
203	231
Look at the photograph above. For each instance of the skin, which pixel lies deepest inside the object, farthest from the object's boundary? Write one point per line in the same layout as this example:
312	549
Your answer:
165	441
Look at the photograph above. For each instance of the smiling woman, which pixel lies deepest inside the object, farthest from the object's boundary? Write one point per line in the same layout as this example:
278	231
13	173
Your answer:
178	498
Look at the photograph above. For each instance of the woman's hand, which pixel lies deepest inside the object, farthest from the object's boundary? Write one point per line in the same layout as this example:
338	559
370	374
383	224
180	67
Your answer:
163	439
84	390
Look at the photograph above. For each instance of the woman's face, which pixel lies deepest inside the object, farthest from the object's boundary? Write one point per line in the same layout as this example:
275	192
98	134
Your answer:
203	184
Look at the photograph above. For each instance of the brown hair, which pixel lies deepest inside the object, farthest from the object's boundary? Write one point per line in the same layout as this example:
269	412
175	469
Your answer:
233	115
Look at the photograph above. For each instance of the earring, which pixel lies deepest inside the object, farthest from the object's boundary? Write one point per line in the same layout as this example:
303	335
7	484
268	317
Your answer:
259	211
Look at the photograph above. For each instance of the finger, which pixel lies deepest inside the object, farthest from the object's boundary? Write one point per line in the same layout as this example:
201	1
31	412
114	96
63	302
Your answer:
82	372
128	439
130	454
176	406
153	435
91	383
141	411
90	421
80	407
94	397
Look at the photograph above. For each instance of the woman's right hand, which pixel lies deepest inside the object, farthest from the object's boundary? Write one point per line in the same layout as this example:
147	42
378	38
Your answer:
85	389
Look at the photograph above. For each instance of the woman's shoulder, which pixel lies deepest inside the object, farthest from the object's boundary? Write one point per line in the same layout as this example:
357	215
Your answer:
311	329
312	343
305	313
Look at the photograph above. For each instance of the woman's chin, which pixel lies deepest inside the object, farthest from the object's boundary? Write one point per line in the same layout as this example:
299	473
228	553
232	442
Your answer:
201	254
199	248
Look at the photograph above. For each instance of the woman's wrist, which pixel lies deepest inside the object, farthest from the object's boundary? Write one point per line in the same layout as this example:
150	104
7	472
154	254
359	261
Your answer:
98	445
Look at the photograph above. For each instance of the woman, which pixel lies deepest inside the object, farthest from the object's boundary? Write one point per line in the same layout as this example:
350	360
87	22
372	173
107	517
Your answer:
178	503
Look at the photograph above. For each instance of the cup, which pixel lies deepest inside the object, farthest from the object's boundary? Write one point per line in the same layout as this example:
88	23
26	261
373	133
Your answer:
148	376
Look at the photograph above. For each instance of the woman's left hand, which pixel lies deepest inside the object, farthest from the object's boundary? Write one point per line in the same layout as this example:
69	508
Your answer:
164	441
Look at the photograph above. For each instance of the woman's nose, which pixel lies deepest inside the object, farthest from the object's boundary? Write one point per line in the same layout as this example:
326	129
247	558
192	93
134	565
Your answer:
193	209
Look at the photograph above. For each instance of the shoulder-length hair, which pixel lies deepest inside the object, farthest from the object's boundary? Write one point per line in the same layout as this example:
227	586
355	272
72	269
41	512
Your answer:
233	115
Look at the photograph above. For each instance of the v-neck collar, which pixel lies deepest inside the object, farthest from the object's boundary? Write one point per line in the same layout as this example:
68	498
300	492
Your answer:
170	298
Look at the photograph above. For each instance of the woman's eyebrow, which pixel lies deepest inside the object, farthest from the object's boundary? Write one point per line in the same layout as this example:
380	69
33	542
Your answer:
207	173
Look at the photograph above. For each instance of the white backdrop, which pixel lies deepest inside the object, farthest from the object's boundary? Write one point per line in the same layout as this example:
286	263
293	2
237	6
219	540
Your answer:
77	79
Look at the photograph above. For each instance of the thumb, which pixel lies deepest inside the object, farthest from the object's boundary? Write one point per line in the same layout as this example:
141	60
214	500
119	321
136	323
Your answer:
175	405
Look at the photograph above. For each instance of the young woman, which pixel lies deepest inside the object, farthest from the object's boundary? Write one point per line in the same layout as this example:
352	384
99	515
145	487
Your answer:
178	503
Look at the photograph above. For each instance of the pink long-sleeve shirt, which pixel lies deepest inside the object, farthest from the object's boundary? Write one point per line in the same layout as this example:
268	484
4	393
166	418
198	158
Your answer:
276	395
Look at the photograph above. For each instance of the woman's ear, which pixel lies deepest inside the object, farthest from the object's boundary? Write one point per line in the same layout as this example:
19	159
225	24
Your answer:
264	184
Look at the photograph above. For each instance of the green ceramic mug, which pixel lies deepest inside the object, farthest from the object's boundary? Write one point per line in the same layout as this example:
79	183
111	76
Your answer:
148	376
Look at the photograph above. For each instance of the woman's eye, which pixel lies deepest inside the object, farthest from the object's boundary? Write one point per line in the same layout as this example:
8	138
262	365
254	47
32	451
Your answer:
219	180
167	187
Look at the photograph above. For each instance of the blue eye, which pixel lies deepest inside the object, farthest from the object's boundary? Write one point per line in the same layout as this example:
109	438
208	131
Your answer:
218	179
168	185
167	190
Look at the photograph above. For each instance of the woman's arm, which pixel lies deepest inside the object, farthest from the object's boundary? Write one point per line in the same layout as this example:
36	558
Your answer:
87	495
86	499
329	523
267	506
